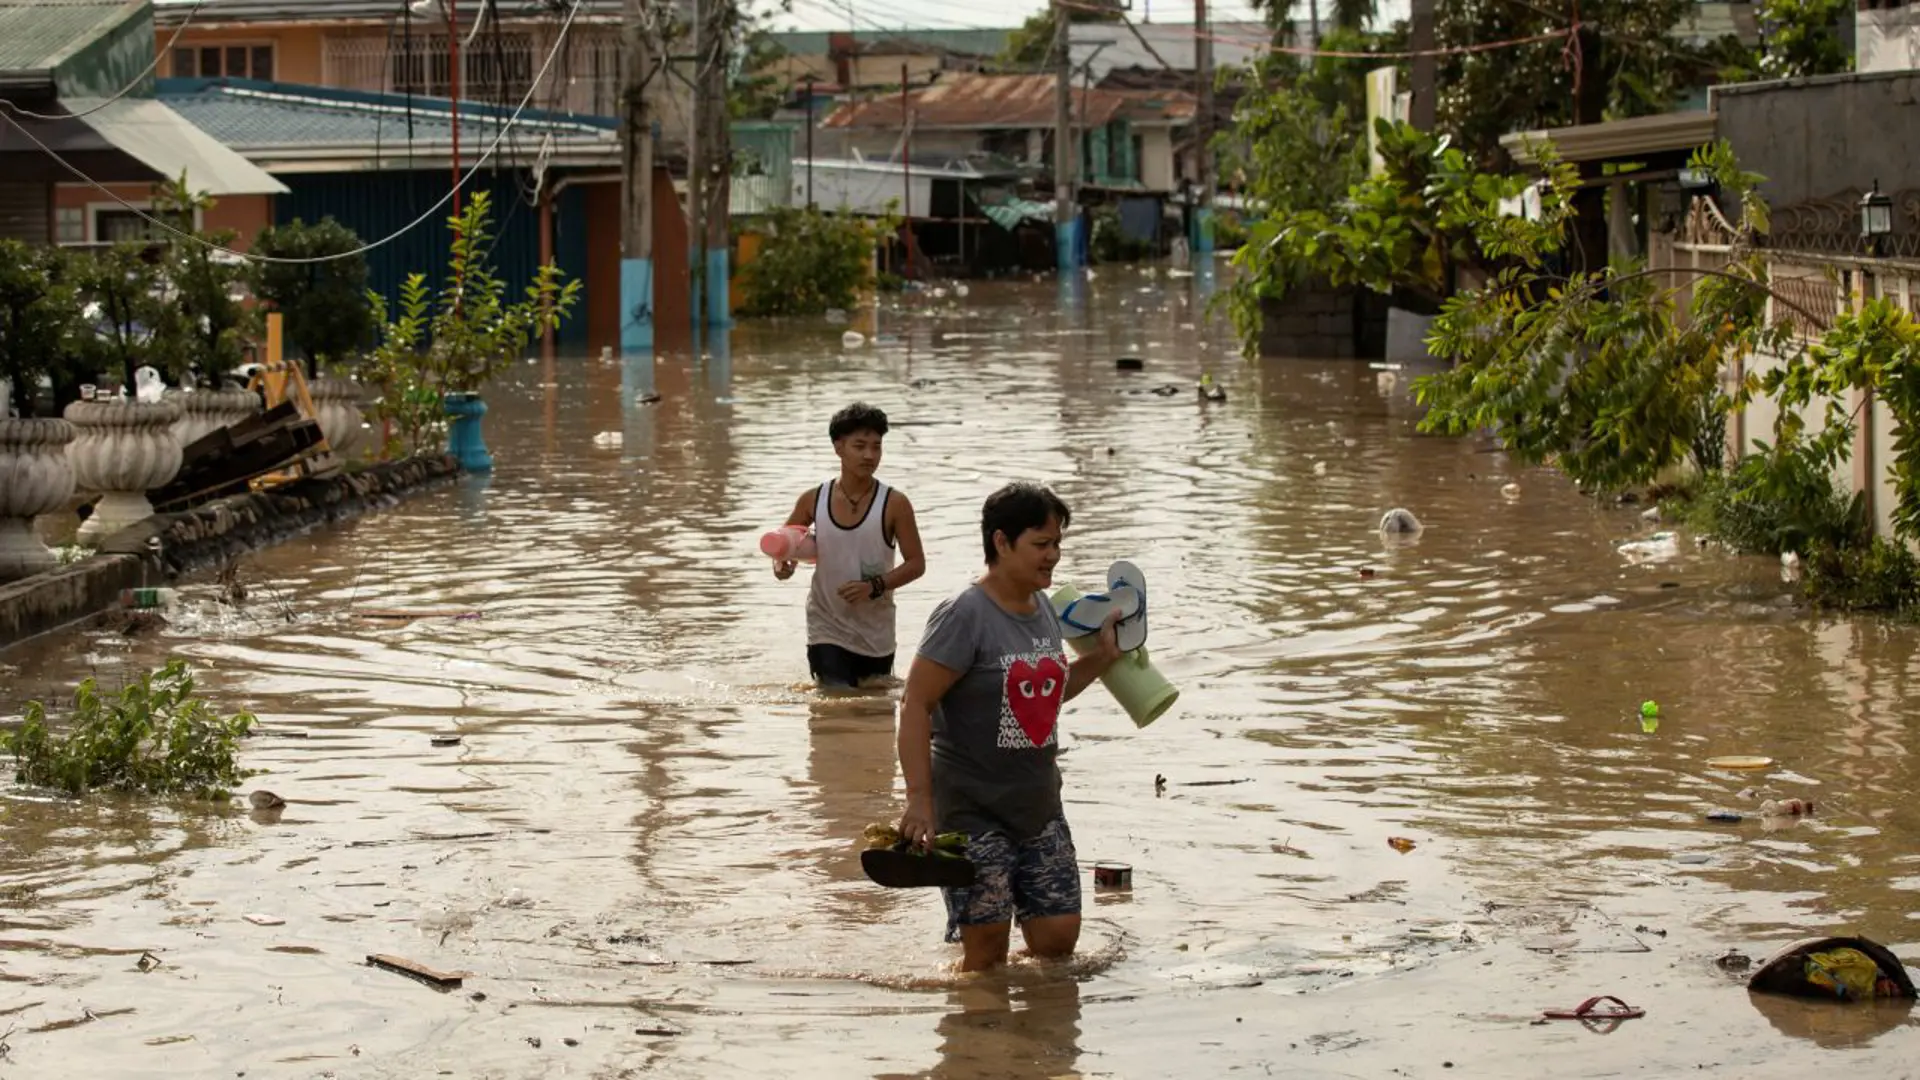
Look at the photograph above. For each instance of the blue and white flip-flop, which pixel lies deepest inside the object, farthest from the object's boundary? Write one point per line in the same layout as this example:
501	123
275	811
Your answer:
1085	615
1125	578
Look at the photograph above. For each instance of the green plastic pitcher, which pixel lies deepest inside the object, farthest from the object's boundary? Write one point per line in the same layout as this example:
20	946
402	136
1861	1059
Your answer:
1132	680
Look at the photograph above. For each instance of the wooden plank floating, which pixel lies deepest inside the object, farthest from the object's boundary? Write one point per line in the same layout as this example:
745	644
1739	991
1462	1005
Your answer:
444	980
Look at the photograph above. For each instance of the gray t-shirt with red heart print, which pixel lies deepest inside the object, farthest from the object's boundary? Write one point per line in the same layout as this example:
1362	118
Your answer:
995	731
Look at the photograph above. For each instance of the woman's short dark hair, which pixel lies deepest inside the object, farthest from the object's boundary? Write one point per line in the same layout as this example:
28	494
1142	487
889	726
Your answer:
1016	508
858	416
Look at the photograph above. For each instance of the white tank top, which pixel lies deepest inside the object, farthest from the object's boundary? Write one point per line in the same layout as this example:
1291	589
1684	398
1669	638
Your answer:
844	555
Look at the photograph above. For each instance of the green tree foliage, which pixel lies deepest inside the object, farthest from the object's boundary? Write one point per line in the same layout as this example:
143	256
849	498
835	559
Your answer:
1602	374
42	333
1627	60
136	321
329	316
205	284
758	91
1801	37
1353	16
1430	213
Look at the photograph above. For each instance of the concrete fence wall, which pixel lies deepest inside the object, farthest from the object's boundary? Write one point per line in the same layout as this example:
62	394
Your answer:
1324	322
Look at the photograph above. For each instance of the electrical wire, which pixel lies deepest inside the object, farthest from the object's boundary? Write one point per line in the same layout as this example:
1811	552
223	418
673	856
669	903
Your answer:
1569	32
158	55
364	248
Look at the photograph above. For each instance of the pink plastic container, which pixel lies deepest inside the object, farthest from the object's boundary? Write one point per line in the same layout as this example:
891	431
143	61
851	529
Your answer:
788	543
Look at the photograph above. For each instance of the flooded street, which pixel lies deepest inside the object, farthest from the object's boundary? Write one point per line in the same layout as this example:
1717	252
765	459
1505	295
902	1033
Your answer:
644	850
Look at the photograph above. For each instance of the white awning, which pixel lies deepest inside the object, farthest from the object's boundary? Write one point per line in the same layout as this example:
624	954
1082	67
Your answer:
165	142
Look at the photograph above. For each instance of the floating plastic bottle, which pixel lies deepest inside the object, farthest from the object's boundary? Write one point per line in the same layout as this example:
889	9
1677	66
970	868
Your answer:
147	598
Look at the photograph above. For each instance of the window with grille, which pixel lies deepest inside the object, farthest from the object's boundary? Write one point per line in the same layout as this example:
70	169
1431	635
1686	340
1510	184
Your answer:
69	225
120	226
497	68
223	62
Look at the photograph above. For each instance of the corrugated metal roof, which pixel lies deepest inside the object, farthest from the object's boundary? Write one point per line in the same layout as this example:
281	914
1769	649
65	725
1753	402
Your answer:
1009	102
171	12
38	34
252	116
1158	106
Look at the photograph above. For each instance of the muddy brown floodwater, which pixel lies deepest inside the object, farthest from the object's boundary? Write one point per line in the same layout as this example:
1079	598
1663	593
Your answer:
644	848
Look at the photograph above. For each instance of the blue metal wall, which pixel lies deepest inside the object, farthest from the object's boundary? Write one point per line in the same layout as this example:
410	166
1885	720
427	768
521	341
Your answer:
378	204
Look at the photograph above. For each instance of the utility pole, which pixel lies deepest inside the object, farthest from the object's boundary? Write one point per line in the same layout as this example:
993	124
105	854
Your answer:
636	184
1313	26
1203	130
906	174
1065	219
709	164
1426	87
696	174
453	97
809	142
718	144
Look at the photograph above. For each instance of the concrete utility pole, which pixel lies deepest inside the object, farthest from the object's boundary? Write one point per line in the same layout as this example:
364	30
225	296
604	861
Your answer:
636	184
1066	231
453	91
1203	130
718	141
1426	87
709	164
697	171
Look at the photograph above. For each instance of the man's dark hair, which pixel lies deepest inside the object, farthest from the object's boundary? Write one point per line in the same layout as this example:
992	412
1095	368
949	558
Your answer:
858	416
1016	508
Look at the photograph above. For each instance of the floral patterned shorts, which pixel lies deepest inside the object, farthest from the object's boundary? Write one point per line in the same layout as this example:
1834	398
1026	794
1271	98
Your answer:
1020	880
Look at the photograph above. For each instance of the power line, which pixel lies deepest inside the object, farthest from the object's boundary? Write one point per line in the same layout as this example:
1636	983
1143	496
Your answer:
165	226
1267	45
158	54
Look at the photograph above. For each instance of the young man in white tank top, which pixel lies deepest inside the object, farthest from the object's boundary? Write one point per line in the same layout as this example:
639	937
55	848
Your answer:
859	526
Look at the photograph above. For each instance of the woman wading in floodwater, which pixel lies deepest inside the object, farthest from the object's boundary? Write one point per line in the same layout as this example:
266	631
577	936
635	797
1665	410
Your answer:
978	735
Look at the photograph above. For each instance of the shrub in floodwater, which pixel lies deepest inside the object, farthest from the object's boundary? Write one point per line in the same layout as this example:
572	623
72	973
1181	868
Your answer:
1774	502
1879	575
153	737
1786	500
810	262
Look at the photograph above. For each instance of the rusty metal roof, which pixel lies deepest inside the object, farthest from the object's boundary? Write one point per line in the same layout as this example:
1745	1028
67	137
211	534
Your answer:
1158	106
980	102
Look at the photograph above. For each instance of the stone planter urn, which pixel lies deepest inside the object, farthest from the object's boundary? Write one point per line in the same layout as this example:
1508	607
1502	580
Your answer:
122	449
35	478
203	412
336	406
465	441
